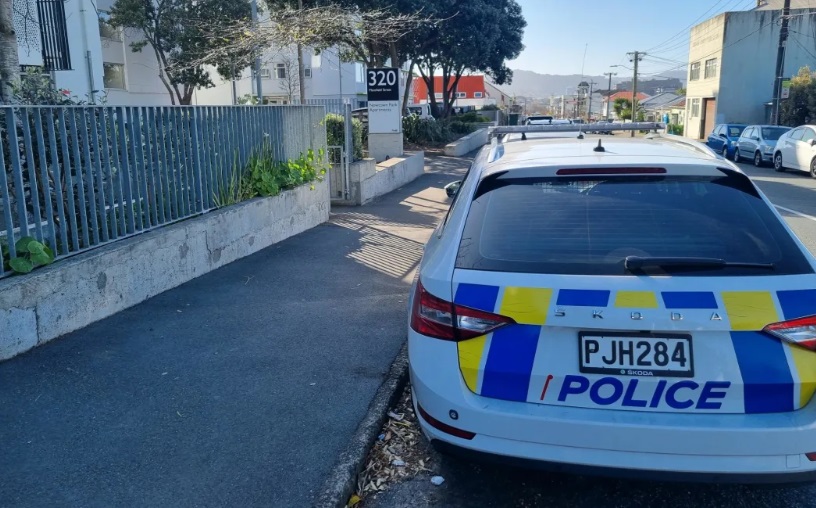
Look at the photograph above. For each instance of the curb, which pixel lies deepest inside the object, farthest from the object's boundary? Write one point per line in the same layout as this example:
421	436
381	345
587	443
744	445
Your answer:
342	479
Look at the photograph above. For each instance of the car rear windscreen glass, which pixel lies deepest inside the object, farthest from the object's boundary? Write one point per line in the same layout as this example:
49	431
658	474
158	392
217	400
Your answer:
772	133
589	225
734	132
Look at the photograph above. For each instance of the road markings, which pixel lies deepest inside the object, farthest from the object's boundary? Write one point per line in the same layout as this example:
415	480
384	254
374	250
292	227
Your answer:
794	212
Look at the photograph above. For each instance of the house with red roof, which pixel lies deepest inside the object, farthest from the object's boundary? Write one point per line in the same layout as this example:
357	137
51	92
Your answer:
608	104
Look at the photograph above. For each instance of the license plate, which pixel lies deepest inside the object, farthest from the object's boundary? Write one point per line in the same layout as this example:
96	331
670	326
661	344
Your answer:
630	354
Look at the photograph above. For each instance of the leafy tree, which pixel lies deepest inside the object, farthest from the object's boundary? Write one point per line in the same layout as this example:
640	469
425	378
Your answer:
179	33
680	91
622	106
472	36
800	106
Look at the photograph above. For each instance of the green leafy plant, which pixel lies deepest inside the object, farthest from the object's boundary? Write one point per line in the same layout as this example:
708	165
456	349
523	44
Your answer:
31	254
335	125
236	190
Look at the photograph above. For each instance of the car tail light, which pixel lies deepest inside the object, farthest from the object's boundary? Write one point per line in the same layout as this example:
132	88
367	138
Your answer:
444	427
811	456
435	317
801	331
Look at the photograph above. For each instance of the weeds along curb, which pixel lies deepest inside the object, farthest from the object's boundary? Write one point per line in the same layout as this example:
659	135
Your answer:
342	479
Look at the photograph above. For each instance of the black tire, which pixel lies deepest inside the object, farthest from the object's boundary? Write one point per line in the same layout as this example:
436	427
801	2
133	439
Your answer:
725	152
813	168
758	159
736	155
778	167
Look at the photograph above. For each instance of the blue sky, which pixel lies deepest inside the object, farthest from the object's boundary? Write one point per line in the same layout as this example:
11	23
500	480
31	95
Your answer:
558	31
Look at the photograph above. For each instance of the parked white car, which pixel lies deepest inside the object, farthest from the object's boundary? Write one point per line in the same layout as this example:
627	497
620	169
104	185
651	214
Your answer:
796	149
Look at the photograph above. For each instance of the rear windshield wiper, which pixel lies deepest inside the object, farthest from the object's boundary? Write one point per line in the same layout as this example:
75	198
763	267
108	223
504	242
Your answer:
633	263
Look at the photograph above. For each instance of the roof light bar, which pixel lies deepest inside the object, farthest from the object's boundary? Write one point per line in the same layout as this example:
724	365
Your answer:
576	127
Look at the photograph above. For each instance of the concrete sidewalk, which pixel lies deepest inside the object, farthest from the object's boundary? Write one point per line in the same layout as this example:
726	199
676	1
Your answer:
238	388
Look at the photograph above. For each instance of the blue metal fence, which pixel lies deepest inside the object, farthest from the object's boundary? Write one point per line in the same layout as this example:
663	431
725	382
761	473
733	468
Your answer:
79	176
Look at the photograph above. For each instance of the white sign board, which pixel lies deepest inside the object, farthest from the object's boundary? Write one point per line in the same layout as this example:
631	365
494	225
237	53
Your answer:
384	115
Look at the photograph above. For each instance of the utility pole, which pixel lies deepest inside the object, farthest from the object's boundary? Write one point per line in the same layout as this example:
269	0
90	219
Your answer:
301	74
780	63
637	56
589	105
609	93
257	63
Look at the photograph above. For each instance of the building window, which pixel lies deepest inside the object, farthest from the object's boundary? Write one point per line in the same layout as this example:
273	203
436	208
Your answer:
56	54
106	31
360	72
478	95
307	72
695	108
264	72
438	95
694	74
316	61
461	95
710	68
280	71
114	75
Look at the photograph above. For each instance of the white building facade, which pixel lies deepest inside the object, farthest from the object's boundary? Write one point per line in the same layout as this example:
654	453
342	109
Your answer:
70	40
732	61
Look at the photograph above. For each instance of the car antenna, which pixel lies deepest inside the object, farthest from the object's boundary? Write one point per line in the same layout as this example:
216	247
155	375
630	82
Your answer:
581	131
599	148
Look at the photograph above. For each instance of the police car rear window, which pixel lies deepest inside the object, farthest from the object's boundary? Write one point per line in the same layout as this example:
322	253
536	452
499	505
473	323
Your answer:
589	225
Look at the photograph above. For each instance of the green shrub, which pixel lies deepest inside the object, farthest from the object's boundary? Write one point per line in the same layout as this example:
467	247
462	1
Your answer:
471	117
675	129
490	107
335	125
425	131
459	127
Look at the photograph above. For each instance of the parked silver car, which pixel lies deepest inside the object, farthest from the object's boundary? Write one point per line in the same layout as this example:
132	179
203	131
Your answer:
757	143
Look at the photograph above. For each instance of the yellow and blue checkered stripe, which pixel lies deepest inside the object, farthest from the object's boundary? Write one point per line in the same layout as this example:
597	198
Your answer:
777	376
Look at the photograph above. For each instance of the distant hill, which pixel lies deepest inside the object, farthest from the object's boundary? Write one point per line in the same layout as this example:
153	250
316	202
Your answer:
533	84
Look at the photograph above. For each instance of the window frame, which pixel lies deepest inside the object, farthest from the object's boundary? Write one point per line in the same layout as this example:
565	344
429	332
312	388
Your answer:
461	95
800	131
807	132
710	71
478	95
106	85
307	72
278	68
694	71
695	108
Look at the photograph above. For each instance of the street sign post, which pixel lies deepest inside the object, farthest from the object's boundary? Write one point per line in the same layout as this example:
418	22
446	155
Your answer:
383	87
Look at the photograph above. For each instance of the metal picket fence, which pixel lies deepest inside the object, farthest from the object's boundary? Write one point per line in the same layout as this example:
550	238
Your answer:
76	177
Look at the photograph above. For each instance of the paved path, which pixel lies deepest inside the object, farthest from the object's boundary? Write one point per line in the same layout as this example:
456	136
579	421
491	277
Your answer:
238	388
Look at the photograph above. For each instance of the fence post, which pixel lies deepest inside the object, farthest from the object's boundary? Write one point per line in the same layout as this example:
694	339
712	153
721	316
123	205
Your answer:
349	148
195	133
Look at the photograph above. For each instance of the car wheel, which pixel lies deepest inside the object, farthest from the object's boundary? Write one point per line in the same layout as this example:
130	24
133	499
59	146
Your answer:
736	155
778	167
725	152
758	159
813	168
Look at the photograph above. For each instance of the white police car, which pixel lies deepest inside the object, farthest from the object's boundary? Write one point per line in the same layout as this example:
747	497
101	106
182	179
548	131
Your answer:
638	306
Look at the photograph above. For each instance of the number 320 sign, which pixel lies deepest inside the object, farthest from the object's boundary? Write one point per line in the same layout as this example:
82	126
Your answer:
382	84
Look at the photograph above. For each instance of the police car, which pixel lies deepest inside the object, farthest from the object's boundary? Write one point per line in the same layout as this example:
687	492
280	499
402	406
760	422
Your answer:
616	306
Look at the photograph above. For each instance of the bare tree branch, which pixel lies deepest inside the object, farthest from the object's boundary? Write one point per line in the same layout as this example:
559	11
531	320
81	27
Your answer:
352	31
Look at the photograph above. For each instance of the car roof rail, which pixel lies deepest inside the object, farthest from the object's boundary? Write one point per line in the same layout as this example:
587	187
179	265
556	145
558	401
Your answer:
680	140
500	132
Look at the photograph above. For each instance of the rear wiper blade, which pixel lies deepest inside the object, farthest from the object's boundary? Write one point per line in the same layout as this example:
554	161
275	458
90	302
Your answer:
632	263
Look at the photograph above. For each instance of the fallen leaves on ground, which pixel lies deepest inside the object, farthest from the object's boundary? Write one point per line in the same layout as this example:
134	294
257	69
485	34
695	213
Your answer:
400	453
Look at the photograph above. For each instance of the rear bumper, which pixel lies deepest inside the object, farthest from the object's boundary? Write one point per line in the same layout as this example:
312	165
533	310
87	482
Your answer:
767	448
617	472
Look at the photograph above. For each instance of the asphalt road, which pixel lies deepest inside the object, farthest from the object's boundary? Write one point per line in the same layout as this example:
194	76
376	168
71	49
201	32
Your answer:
238	388
478	485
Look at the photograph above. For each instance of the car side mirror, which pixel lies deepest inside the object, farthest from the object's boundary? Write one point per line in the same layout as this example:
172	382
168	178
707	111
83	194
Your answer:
813	142
452	188
754	138
723	136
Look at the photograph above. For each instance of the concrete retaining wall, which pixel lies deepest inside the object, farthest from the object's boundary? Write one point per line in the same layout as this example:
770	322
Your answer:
369	180
75	292
467	144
